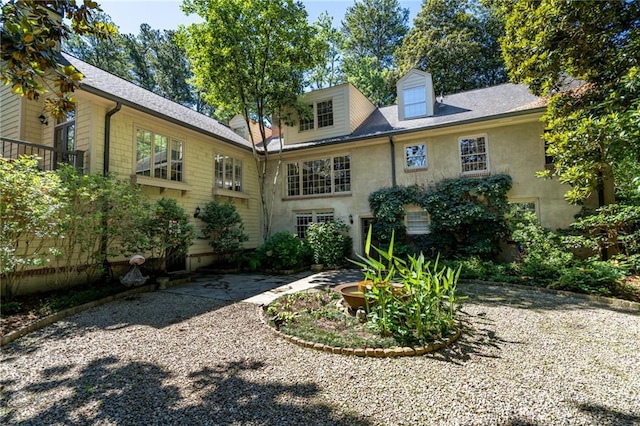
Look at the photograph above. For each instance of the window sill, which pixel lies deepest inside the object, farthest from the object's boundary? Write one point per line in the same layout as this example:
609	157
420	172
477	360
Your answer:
476	173
415	169
229	193
307	197
163	184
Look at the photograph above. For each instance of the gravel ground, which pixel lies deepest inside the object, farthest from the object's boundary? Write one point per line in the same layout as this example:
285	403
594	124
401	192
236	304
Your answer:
525	358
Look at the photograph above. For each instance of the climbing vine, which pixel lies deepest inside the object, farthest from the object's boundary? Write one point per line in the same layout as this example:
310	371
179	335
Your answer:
467	215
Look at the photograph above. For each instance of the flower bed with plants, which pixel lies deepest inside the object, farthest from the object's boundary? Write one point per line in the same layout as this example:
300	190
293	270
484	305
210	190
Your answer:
415	315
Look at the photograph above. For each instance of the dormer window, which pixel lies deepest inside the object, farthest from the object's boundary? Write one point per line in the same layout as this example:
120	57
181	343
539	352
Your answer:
322	116
416	97
415	102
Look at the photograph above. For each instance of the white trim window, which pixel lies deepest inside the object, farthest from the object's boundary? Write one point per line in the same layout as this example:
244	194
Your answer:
303	219
158	156
474	155
321	116
417	220
415	102
331	175
415	156
227	172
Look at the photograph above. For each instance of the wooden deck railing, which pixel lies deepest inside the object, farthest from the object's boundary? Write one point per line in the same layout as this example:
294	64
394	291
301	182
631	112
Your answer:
49	158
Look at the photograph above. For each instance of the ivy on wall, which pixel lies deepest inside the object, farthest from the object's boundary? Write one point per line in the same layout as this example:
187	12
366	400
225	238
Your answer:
467	215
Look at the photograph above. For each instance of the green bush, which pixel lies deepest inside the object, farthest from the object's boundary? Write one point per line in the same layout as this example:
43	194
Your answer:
223	227
284	250
591	276
329	243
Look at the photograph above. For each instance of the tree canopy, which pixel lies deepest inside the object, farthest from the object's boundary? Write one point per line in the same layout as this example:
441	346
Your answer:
251	57
31	33
593	125
329	72
457	42
372	30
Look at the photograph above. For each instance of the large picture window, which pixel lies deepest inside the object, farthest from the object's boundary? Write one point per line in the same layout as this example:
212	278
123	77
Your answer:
473	155
331	175
158	156
227	173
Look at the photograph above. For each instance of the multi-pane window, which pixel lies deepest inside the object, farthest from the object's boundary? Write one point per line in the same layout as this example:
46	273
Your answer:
307	123
303	219
415	102
227	173
325	113
158	156
473	155
322	176
519	209
65	137
415	156
417	221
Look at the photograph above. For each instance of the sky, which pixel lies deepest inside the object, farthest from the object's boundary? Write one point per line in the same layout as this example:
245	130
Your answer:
166	14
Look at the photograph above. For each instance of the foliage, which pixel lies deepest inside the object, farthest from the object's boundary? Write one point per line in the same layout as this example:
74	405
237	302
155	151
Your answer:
284	250
167	229
593	126
457	42
250	57
612	227
328	73
467	214
594	276
329	242
422	309
223	227
626	175
30	206
108	54
372	30
30	35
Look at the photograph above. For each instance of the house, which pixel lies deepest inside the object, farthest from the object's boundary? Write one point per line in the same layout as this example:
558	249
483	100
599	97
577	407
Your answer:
349	149
120	128
331	160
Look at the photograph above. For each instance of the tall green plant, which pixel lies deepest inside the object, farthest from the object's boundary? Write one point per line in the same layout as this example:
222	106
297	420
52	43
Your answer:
223	227
167	229
329	242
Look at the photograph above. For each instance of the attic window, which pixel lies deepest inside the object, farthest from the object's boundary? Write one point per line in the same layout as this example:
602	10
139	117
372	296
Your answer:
415	102
325	114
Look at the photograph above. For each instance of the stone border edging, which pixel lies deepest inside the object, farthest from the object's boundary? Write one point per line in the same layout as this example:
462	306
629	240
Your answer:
616	303
363	352
50	319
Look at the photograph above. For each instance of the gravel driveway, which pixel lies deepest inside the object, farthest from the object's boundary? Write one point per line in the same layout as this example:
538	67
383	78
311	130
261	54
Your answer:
163	358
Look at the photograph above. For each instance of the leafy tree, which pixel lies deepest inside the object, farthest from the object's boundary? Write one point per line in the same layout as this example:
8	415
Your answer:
172	70
223	227
139	51
457	42
250	57
108	54
596	126
329	72
30	35
372	30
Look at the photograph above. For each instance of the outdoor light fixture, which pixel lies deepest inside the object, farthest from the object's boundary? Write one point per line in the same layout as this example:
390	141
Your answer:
351	219
196	213
43	120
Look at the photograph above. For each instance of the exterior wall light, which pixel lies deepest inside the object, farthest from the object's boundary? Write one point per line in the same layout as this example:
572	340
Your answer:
196	212
43	120
351	219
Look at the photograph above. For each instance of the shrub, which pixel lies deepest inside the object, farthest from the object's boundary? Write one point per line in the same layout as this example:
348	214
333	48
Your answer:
328	242
284	250
223	227
592	276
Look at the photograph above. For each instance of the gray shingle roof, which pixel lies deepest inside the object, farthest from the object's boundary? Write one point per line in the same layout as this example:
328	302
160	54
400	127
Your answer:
115	88
458	108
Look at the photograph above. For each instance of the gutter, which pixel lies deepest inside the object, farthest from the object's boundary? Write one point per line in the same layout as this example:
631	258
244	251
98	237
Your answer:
107	137
393	161
107	273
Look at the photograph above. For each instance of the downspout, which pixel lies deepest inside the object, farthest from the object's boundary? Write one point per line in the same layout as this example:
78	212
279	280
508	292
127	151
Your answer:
393	161
107	273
